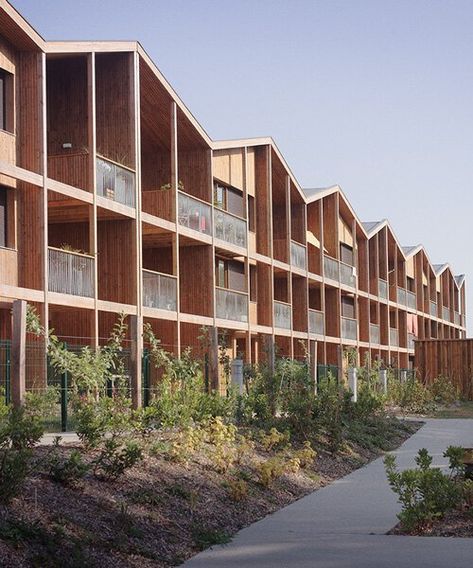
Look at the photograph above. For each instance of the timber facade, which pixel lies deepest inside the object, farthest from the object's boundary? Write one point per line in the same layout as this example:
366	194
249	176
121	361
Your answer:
114	199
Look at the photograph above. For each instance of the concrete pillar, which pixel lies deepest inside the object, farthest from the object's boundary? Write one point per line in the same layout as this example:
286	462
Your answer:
353	382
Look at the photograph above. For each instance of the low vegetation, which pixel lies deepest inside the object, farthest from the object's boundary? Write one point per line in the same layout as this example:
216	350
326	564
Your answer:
151	487
427	494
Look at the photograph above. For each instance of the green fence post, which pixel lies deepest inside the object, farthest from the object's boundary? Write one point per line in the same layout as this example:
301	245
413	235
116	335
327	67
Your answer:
64	398
7	372
146	393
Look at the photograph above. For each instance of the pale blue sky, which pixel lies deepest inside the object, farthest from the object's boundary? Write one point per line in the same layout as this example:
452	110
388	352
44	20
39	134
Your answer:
375	95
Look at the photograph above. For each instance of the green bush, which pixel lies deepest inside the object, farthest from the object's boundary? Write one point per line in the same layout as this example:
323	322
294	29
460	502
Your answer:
67	471
444	391
115	458
410	395
425	493
20	430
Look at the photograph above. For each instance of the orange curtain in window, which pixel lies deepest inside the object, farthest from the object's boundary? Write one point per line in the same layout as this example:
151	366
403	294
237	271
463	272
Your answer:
412	324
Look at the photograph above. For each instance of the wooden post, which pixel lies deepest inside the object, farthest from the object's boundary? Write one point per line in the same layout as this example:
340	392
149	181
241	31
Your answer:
313	362
136	325
18	352
213	358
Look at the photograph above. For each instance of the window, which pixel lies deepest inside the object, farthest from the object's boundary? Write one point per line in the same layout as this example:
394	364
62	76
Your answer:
346	254
228	199
6	99
3	217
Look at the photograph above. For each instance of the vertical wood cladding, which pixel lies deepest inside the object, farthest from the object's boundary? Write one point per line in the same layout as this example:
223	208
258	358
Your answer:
194	172
114	107
159	259
30	231
75	235
299	303
265	294
116	267
72	325
262	203
196	285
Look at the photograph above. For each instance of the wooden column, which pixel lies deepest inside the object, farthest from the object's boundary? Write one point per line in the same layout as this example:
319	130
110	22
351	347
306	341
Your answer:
136	326
18	353
213	358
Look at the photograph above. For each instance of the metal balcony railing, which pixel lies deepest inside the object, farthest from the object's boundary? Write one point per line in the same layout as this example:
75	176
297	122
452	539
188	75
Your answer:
339	271
349	328
433	308
410	341
282	315
374	333
115	182
457	318
159	290
383	289
401	296
316	322
331	268
194	214
393	337
446	313
411	300
298	255
231	305
70	273
229	228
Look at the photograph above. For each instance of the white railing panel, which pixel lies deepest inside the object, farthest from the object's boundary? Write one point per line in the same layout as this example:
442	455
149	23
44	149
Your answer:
159	291
194	214
231	305
230	228
70	273
115	182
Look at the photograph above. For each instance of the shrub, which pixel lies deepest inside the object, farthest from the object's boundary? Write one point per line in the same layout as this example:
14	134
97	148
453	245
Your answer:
410	395
269	470
20	430
115	458
306	455
444	391
425	493
274	439
68	471
237	489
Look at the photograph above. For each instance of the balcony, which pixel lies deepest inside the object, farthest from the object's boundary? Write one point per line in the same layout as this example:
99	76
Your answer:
115	182
401	296
70	273
282	315
393	337
410	341
374	333
231	305
339	271
446	313
159	290
331	268
433	309
349	328
194	214
298	255
383	289
411	300
457	318
316	322
230	228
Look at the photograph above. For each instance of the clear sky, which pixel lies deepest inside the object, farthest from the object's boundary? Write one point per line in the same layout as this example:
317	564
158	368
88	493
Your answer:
375	95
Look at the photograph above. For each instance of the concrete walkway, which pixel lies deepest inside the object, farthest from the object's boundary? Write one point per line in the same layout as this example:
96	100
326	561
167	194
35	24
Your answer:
344	525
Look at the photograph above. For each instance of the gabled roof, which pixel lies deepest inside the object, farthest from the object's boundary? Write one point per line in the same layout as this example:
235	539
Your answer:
372	227
460	280
410	251
439	268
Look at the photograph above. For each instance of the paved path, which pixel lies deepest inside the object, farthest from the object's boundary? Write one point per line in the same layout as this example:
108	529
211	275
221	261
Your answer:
343	525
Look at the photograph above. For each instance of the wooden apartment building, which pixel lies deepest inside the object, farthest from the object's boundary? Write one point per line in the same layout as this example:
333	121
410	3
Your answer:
114	199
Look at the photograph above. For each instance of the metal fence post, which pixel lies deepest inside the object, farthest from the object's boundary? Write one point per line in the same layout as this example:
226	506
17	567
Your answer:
64	400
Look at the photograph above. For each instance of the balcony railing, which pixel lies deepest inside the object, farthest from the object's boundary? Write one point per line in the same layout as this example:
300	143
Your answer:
383	289
115	182
316	322
70	273
374	333
331	268
457	318
231	305
433	308
401	296
159	290
410	341
339	271
393	337
445	313
230	228
298	255
282	315
411	300
194	214
349	328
